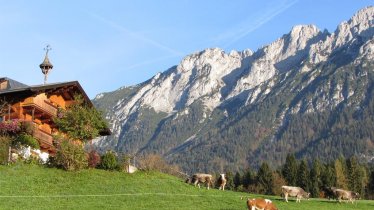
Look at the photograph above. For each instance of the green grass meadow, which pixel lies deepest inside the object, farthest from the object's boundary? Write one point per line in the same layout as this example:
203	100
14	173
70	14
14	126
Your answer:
25	186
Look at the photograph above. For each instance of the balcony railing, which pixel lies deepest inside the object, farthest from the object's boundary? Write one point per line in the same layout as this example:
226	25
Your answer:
42	136
42	105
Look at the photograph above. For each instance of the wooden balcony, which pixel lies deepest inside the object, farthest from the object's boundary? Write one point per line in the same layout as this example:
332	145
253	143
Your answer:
40	105
45	139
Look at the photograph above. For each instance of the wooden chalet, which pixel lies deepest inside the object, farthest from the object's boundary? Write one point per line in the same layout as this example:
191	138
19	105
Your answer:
38	105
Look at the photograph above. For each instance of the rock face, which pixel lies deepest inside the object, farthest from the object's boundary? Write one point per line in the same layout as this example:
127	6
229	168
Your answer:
218	109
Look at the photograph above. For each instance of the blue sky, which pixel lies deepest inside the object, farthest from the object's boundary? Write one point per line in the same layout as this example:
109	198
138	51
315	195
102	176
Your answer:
109	44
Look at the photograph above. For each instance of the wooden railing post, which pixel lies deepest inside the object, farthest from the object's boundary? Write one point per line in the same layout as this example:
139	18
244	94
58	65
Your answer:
9	154
9	112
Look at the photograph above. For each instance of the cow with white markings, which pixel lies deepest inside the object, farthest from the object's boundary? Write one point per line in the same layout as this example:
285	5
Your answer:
297	192
221	181
260	204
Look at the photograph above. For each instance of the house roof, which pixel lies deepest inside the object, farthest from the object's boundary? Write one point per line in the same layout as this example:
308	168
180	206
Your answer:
57	87
11	84
15	87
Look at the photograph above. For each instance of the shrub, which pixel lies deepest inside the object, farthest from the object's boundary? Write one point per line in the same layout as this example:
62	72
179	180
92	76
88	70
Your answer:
27	127
28	140
94	159
70	155
109	161
80	121
33	160
154	162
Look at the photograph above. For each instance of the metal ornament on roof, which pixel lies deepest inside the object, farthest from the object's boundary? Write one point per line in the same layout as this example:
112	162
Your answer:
46	66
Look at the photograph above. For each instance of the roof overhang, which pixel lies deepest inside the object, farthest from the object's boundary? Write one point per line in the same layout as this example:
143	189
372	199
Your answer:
65	89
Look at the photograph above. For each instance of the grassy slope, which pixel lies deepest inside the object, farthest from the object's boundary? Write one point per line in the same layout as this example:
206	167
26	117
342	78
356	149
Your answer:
33	187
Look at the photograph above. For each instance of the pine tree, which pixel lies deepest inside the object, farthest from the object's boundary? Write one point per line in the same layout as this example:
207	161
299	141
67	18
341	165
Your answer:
371	184
265	179
237	180
364	181
357	176
354	178
248	178
303	176
328	176
340	174
315	178
230	181
289	170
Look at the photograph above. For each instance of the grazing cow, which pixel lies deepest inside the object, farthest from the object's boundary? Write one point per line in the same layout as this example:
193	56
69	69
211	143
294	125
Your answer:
260	204
196	179
346	195
297	192
221	181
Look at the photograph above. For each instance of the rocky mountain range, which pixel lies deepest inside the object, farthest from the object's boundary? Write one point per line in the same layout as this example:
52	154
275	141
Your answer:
310	92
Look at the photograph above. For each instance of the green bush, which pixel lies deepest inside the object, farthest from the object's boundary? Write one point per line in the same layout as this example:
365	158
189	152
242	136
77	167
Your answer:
80	121
70	155
27	127
109	161
28	140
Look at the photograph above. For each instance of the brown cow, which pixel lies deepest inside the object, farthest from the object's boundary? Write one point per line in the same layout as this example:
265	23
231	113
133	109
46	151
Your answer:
196	179
260	204
221	181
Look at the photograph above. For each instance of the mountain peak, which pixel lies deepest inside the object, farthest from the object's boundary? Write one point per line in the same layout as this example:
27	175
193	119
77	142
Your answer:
292	47
360	24
363	16
304	30
301	34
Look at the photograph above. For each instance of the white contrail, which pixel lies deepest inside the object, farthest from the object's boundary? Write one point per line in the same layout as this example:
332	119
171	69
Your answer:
254	23
136	35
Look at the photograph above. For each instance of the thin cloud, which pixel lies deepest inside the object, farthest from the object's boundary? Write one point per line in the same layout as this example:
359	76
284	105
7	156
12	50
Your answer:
253	23
137	35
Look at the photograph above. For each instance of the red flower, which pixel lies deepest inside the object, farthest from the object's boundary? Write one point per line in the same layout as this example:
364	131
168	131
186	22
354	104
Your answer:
10	126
